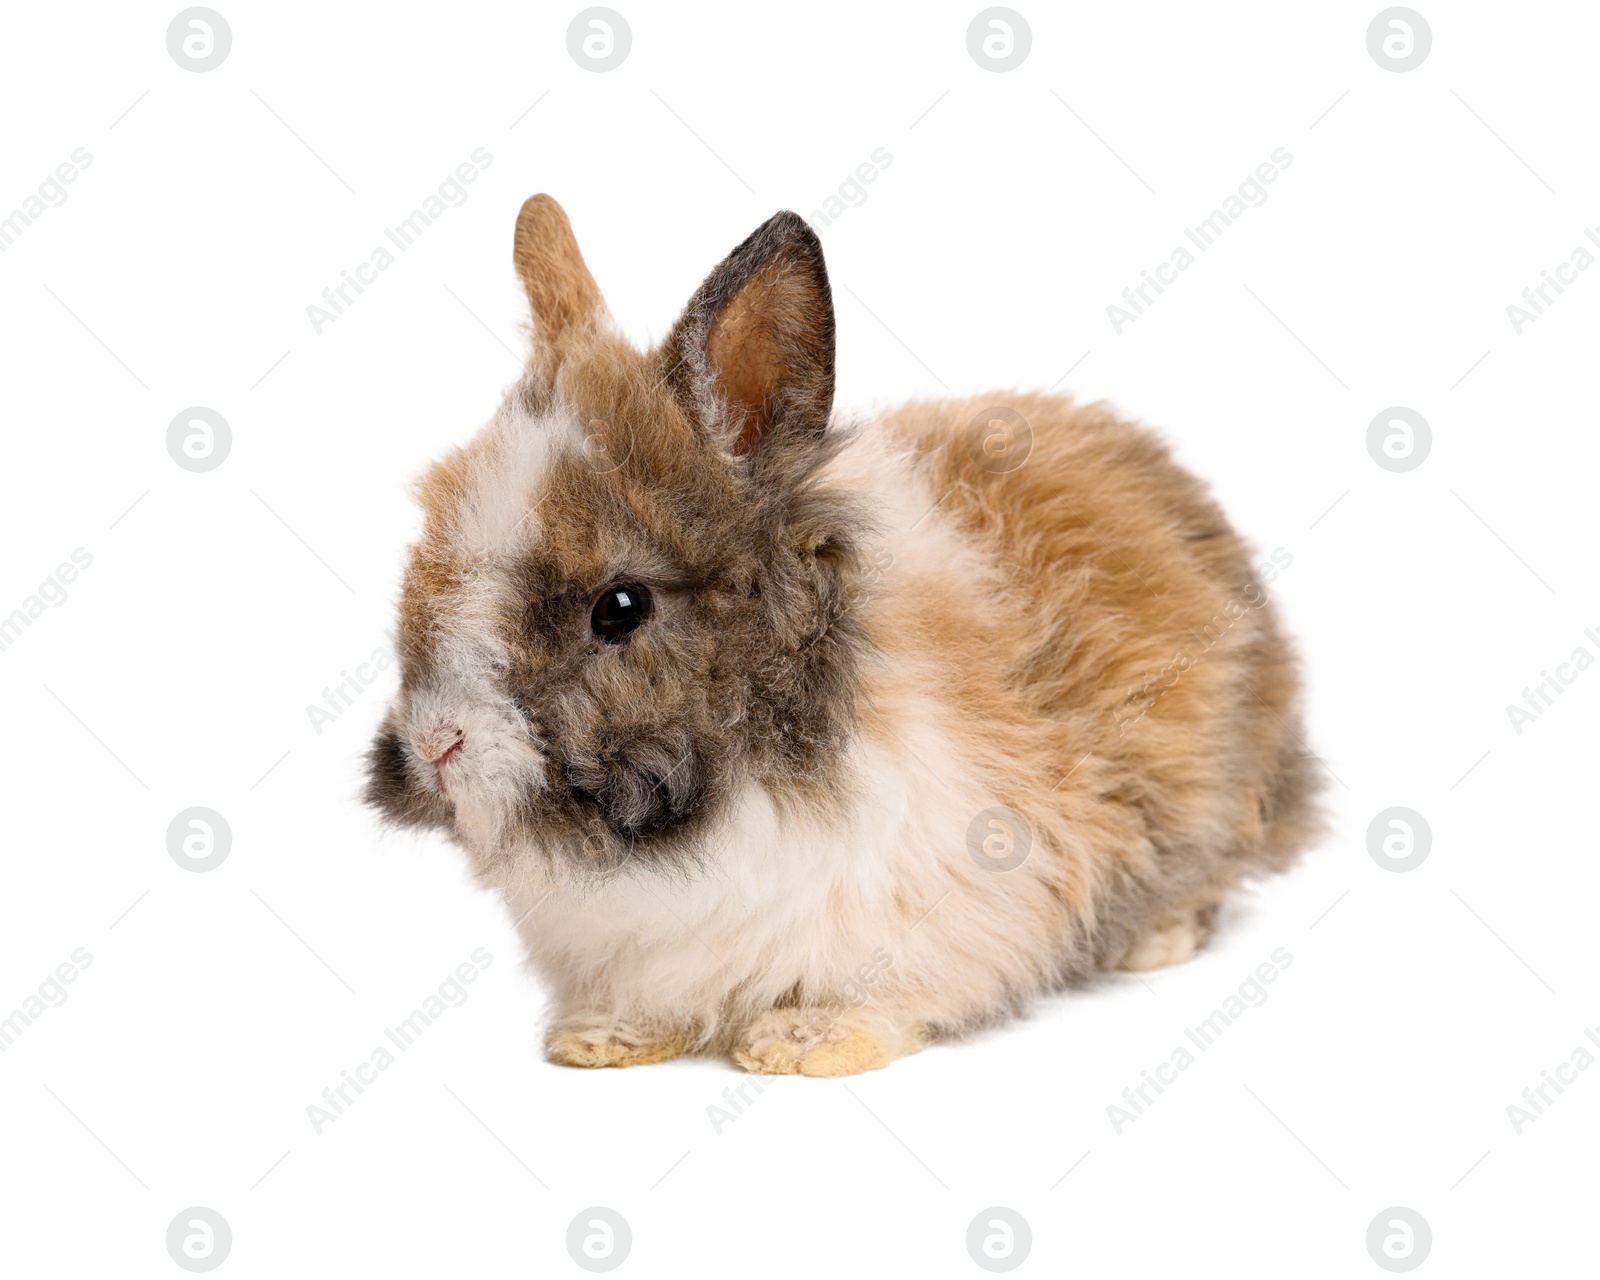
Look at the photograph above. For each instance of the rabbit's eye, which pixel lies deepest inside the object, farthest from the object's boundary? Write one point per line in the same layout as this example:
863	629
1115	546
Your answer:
619	611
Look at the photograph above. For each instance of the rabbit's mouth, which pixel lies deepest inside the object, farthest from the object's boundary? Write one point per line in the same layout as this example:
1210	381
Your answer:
632	817
637	804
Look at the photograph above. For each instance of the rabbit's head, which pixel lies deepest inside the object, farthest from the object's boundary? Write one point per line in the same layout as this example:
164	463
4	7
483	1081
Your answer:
632	597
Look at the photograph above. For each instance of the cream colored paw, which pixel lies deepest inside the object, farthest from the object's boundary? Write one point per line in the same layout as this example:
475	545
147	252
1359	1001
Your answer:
787	1042
1172	945
608	1045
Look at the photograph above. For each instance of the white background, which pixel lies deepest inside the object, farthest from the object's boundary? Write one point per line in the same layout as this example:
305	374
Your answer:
179	669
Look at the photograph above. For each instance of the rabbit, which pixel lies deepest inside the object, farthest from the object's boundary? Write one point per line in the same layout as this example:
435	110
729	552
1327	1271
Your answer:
808	740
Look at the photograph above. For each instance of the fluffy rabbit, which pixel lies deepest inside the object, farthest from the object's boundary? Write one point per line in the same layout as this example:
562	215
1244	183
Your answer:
808	741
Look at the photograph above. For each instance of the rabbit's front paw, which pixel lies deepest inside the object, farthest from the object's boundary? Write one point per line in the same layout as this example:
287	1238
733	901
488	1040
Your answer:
603	1042
810	1042
1161	947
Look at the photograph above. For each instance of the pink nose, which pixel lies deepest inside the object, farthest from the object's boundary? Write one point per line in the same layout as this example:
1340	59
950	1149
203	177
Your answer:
440	744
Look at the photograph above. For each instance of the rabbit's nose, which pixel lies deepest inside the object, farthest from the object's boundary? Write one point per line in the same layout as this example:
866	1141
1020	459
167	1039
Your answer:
438	744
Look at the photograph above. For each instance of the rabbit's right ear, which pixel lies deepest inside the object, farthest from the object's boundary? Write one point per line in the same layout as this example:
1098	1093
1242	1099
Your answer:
752	354
565	300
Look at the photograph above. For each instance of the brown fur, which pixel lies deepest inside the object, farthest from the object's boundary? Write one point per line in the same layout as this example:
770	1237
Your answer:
564	298
1116	560
801	626
747	675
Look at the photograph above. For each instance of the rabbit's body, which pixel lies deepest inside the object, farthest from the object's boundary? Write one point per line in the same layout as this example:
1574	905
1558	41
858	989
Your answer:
933	714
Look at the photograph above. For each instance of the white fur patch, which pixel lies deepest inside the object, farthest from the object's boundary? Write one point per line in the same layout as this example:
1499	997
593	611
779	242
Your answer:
496	516
499	510
887	902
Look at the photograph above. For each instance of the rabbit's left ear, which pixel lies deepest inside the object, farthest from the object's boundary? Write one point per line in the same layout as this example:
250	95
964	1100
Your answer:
565	300
752	354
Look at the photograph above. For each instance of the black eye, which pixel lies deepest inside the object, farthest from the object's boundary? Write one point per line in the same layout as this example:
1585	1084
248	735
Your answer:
619	611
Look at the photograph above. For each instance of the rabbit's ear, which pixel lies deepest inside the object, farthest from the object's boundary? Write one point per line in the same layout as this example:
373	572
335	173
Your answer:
566	301
752	353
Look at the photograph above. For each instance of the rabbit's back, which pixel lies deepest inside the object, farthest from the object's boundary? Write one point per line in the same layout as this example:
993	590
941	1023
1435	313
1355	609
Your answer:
1130	631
